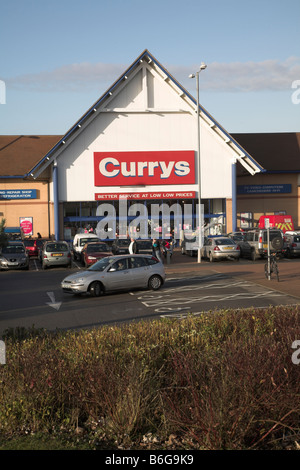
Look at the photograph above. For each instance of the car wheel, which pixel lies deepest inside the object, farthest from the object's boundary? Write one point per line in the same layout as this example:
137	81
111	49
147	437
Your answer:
211	258
96	289
44	266
155	282
253	255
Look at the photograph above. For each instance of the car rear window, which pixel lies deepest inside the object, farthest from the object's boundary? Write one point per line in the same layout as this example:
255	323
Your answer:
29	242
56	247
273	234
224	241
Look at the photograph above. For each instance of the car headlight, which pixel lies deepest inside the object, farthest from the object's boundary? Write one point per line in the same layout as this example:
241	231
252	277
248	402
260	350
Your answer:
79	280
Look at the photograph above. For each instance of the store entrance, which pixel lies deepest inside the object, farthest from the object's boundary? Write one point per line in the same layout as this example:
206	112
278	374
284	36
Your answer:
142	219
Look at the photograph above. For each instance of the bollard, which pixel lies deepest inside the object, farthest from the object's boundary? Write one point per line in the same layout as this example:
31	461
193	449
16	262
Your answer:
168	257
2	353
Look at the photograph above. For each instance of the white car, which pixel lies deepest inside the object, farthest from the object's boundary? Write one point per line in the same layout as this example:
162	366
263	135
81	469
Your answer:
112	273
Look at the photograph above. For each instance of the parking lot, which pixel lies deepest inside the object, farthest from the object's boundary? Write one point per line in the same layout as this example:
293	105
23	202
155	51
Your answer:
35	297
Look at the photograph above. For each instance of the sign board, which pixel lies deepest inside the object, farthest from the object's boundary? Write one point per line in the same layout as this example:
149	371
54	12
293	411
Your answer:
27	225
18	194
264	188
144	168
146	196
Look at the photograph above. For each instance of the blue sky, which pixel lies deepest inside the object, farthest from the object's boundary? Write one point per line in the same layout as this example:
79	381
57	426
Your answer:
57	58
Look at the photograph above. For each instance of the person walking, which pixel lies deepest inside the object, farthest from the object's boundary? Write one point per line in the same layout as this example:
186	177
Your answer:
156	249
132	247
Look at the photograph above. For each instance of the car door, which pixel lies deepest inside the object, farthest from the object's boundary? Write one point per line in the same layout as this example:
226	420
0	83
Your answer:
140	271
117	276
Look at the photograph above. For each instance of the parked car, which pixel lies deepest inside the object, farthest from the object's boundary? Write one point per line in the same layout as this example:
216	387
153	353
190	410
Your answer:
144	247
14	256
236	236
189	245
31	247
56	253
220	248
93	251
80	240
120	245
112	273
255	243
40	245
292	243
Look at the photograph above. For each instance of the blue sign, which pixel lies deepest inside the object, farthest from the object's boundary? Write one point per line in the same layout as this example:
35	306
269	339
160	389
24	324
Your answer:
18	194
264	188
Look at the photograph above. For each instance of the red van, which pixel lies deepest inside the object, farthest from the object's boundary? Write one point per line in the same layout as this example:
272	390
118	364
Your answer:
282	222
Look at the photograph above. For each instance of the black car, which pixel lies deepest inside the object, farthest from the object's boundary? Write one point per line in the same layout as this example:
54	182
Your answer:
120	246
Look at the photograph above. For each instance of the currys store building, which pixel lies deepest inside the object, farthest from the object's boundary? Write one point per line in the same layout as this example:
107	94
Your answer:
136	148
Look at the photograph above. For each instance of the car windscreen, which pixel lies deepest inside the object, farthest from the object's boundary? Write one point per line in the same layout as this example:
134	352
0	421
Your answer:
83	241
51	247
101	264
13	249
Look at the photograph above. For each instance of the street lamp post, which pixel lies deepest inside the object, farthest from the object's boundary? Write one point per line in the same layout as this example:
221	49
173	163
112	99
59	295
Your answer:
202	67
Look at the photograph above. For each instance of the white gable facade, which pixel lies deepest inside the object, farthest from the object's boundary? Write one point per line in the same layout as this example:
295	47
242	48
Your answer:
140	141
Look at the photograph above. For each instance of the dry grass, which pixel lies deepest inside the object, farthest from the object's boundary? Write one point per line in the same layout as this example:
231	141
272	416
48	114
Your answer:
222	380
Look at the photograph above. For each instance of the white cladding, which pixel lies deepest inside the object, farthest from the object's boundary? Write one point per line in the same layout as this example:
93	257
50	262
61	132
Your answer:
145	113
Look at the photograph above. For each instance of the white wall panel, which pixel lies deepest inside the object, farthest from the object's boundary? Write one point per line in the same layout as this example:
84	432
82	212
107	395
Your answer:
170	124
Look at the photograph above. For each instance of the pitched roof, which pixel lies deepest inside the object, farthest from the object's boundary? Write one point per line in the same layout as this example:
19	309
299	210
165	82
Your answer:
276	152
241	154
20	153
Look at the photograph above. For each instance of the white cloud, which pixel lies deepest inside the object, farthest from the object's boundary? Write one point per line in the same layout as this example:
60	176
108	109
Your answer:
268	75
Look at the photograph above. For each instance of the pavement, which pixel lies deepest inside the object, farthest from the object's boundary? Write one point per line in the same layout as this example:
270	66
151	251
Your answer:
289	271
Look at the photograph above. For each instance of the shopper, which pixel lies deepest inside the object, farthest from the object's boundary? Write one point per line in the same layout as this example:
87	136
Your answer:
156	249
132	247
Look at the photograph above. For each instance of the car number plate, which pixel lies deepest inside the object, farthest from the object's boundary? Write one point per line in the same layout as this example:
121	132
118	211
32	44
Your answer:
56	254
15	263
228	248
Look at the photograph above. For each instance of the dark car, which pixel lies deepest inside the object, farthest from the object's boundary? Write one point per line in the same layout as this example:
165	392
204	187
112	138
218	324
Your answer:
144	246
14	256
93	251
120	246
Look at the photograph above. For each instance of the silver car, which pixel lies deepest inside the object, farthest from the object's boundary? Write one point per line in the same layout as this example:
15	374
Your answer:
220	248
14	256
56	253
123	272
292	241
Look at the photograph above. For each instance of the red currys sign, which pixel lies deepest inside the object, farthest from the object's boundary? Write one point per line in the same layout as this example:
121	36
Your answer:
144	168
